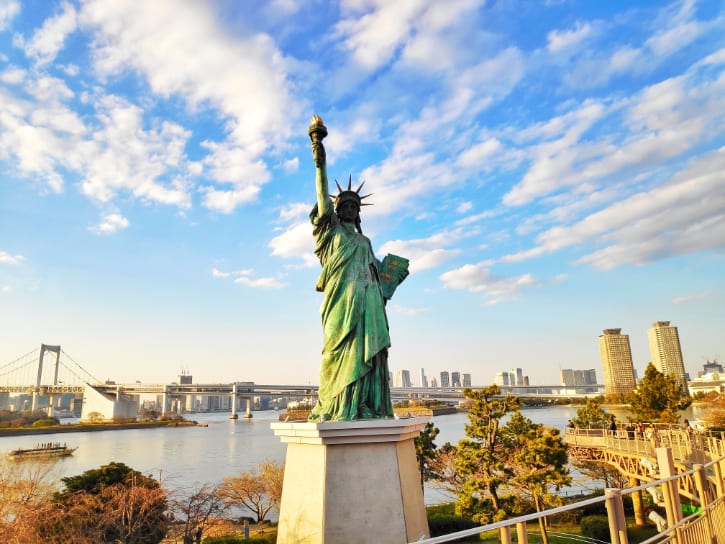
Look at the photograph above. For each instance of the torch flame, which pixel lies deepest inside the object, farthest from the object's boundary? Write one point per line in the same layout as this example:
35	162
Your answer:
317	120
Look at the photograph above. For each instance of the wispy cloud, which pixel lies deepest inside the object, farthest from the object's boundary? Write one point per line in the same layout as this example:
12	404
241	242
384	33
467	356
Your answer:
8	10
6	258
110	223
694	297
245	277
477	278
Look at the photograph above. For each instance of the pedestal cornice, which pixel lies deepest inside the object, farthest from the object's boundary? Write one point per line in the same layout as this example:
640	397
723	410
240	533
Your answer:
350	432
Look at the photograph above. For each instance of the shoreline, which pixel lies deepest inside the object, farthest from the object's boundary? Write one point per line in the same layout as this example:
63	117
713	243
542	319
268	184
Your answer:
92	428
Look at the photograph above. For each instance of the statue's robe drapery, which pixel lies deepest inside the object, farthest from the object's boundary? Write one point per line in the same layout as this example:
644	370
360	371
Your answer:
354	372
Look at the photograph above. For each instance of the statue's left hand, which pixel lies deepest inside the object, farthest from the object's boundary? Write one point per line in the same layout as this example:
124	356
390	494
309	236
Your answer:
402	274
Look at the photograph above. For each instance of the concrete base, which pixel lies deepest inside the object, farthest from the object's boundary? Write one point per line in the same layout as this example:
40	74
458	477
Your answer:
351	482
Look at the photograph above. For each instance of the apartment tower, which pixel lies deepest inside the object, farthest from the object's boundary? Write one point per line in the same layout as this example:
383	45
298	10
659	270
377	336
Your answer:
664	347
617	366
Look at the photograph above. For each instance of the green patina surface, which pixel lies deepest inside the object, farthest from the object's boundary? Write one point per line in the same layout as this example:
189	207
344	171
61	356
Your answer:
354	372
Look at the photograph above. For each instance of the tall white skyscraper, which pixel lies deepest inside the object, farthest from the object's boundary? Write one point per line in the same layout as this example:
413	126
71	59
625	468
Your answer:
423	380
402	378
445	379
617	366
664	347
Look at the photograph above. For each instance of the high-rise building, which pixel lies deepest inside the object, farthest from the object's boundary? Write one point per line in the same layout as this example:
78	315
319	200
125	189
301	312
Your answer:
455	379
445	379
502	378
433	383
466	380
518	376
664	347
402	378
616	356
566	377
423	379
569	377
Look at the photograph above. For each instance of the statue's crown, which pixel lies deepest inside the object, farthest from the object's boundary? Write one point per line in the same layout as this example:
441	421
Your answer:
350	194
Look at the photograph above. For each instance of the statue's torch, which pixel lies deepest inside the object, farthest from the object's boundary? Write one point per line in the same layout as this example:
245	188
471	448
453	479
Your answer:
317	130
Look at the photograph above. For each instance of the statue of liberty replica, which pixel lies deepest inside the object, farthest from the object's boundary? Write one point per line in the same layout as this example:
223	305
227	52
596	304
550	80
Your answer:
355	480
354	376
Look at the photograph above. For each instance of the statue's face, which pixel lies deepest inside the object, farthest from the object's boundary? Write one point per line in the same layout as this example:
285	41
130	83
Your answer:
347	211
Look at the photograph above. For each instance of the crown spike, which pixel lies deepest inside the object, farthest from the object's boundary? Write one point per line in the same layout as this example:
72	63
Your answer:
361	186
367	204
349	183
362	197
339	189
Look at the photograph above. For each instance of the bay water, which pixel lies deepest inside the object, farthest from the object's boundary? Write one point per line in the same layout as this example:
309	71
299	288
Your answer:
188	457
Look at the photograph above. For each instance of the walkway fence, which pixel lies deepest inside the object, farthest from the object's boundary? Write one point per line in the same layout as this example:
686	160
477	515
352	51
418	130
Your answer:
666	464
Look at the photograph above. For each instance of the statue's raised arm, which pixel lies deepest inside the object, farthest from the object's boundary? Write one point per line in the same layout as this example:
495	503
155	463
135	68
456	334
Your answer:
317	132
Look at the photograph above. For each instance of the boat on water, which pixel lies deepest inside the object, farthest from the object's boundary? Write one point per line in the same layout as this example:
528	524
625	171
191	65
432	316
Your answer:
41	451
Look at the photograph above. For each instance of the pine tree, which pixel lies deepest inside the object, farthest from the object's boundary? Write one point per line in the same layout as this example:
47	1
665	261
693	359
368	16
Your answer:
591	415
658	397
537	459
481	459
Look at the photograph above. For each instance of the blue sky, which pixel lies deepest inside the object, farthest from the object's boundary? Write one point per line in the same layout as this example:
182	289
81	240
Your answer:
551	169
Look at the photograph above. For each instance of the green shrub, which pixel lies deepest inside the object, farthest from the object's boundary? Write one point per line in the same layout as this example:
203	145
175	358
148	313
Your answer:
595	527
47	422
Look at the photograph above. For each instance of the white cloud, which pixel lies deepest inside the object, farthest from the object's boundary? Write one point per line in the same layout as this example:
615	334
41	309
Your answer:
560	40
465	207
110	223
477	278
182	50
479	154
122	156
291	165
6	258
4	288
8	10
264	283
694	297
13	75
244	277
663	121
684	215
294	211
295	242
49	39
425	253
375	35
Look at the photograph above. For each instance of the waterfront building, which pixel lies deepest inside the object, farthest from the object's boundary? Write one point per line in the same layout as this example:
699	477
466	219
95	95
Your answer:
445	379
664	347
455	379
402	378
711	368
617	366
433	383
518	376
423	379
502	378
466	380
570	377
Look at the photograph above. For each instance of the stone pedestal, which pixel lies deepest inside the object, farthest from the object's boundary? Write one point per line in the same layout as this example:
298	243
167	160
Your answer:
351	482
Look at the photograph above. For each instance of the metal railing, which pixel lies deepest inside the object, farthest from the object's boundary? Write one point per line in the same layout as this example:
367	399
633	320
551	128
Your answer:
673	450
